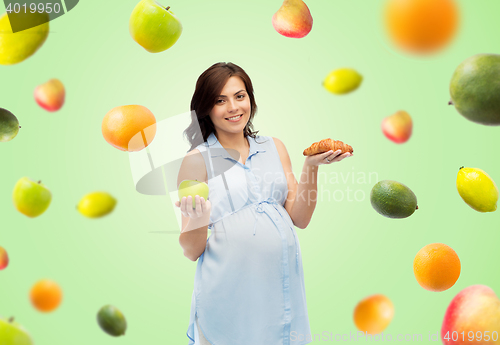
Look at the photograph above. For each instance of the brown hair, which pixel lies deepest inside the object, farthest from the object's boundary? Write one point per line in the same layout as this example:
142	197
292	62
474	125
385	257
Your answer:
208	89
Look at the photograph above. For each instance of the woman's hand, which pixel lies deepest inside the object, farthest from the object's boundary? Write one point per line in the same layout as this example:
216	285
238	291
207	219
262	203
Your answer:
326	157
203	207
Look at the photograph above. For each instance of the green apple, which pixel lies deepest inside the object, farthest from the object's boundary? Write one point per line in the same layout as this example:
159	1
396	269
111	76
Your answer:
193	188
11	333
153	26
31	198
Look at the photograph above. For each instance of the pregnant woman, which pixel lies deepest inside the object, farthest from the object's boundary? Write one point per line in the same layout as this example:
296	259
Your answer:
249	282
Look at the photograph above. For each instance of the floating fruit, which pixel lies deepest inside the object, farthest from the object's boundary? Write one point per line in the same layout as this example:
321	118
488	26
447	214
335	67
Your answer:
473	317
18	46
293	19
373	314
393	199
421	26
193	188
46	295
129	127
342	81
155	27
477	189
398	127
4	258
50	95
474	89
31	198
12	333
9	125
96	204
111	320
436	267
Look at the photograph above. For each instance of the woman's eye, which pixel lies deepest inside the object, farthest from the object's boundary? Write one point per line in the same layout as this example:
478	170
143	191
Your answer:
241	96
219	101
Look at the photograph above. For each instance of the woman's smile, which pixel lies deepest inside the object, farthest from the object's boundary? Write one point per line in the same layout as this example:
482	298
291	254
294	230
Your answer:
234	118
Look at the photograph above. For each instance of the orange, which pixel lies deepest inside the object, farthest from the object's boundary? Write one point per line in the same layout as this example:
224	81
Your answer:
373	314
129	127
436	267
421	26
46	295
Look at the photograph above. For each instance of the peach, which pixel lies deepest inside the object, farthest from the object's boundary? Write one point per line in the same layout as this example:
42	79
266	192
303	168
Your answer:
473	317
50	95
4	258
398	127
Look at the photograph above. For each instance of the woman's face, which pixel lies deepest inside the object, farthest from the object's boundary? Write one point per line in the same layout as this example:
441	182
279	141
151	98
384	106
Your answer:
231	111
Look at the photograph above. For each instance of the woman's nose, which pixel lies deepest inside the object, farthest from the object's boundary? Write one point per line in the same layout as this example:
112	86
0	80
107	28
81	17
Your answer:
232	106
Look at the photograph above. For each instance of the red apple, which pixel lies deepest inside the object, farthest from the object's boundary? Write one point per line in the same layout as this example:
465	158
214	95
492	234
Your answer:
293	19
398	127
473	317
50	95
4	258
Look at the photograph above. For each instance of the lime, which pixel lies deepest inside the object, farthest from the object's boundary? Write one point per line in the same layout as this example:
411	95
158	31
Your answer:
477	189
343	80
111	320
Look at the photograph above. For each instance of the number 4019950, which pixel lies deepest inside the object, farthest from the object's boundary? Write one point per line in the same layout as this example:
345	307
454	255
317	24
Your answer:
471	336
32	8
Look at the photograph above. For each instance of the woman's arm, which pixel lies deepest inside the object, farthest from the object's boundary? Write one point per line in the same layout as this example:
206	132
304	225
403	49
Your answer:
195	222
302	196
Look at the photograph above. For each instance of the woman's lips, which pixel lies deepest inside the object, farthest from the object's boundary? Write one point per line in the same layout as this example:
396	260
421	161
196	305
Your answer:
235	120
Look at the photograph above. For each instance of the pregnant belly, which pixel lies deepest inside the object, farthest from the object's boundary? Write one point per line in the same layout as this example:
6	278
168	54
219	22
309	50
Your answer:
251	236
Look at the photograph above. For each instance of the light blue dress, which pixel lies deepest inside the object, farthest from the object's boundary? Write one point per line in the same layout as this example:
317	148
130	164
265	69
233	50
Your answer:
249	282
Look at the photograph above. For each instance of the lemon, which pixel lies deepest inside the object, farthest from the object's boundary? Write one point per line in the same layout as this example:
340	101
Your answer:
477	189
343	80
96	204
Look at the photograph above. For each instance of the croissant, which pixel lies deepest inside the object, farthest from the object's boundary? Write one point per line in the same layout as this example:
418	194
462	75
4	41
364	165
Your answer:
327	145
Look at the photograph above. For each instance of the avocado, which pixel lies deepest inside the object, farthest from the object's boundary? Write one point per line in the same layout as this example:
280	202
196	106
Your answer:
393	199
9	125
474	89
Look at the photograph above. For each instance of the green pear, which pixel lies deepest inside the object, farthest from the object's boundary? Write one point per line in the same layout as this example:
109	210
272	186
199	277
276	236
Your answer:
31	198
9	125
11	333
18	46
153	26
193	188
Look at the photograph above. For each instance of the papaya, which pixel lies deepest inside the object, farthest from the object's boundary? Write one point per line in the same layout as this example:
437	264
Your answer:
474	89
393	199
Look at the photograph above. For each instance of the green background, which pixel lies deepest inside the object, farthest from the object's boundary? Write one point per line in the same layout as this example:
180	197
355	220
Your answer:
349	251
